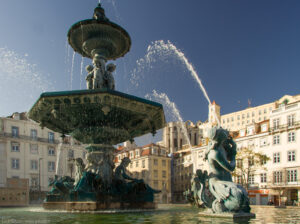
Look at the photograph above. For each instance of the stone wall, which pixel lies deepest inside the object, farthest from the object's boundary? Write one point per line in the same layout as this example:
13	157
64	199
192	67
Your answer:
15	193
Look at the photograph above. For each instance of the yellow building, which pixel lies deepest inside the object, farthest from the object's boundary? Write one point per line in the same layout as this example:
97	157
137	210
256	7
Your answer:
152	164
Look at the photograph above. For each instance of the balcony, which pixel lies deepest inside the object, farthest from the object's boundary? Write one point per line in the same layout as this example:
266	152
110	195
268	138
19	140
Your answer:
285	127
28	138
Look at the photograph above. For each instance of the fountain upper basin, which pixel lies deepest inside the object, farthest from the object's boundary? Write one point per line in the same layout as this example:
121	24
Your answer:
103	37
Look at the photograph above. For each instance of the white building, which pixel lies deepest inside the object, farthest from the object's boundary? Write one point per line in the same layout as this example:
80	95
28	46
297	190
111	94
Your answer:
29	152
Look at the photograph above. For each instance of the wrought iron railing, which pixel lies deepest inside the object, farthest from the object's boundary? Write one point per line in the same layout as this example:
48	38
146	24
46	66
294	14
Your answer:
28	138
285	126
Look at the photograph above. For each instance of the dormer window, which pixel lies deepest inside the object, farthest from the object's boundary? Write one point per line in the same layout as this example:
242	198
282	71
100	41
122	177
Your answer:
137	153
250	130
264	127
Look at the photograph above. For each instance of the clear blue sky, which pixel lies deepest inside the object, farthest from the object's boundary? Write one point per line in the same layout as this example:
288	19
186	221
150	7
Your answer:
241	50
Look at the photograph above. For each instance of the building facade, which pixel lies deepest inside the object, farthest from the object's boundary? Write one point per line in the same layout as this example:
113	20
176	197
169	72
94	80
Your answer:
150	163
37	154
278	137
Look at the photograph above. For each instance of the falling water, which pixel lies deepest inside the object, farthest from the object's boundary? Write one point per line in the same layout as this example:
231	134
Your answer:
21	82
161	50
59	160
81	71
164	99
72	70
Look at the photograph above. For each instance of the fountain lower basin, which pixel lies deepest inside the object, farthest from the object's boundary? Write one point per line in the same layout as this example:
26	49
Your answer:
100	116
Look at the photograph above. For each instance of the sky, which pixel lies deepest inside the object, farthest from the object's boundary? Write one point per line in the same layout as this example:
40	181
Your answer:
240	50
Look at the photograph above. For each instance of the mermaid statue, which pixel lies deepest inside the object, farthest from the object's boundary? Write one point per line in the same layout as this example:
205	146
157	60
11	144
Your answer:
216	190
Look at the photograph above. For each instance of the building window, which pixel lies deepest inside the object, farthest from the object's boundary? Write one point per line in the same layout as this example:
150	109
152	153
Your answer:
291	120
131	155
51	166
164	174
276	157
34	181
137	164
15	131
251	161
164	163
292	176
143	174
265	110
276	139
250	130
155	173
291	156
291	137
243	116
15	147
155	162
238	117
259	112
175	142
33	134
51	151
50	137
143	164
34	164
71	154
15	164
263	161
253	113
251	179
275	124
137	153
263	178
155	184
263	142
34	149
277	177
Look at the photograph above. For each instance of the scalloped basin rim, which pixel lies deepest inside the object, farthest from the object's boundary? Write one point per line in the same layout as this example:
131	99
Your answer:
83	92
88	21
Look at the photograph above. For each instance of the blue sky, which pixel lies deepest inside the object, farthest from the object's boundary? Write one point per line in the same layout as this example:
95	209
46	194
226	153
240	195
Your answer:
240	50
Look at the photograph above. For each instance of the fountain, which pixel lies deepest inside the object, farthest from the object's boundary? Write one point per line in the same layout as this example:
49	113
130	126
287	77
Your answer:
100	117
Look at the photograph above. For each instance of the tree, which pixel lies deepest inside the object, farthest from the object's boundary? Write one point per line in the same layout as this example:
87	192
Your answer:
247	162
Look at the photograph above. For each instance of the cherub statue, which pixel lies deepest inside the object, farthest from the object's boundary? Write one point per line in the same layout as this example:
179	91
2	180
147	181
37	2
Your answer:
89	77
109	79
99	71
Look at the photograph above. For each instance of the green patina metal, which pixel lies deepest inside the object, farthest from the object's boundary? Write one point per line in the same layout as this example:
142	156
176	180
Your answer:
107	38
98	116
